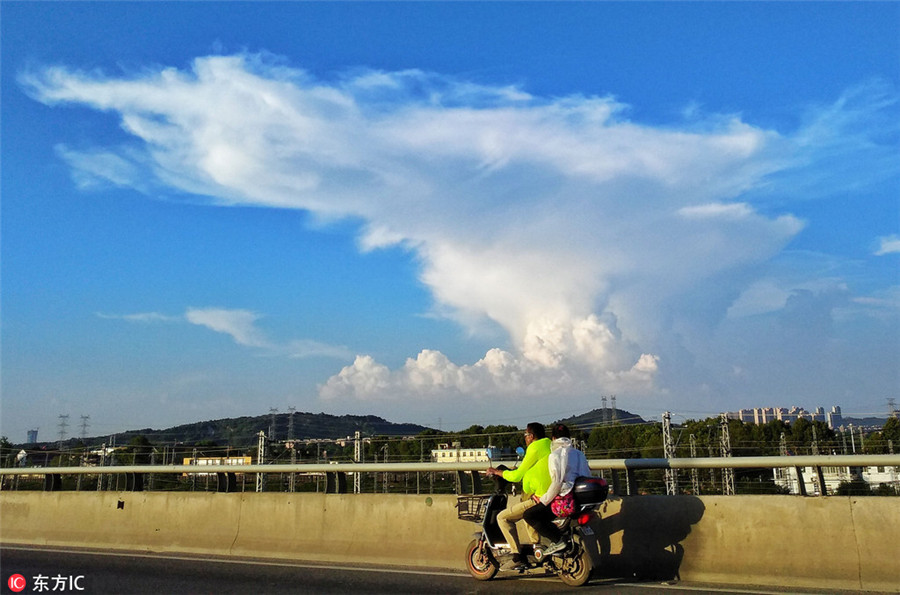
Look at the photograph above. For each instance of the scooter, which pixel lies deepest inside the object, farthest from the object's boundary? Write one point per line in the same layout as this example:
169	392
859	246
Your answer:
573	564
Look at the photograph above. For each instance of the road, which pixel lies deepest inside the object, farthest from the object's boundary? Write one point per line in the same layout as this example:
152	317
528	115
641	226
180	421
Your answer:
118	573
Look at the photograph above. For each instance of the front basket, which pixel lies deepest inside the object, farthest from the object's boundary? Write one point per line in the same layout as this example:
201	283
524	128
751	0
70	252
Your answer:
471	508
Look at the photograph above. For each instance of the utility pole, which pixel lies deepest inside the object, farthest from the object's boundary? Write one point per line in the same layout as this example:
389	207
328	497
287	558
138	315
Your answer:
261	460
695	473
293	475
102	464
194	475
815	442
725	448
669	453
357	458
384	479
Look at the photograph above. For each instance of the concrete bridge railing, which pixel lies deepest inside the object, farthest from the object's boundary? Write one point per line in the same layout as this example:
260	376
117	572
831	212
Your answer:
825	543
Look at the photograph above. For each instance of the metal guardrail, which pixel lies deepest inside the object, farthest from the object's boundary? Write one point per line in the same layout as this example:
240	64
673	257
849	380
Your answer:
595	464
467	474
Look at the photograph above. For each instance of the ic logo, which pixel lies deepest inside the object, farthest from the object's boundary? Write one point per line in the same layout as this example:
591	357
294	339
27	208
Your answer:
16	583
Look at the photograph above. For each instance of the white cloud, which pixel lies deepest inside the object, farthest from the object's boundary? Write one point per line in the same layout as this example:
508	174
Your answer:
147	317
734	211
241	326
559	219
888	245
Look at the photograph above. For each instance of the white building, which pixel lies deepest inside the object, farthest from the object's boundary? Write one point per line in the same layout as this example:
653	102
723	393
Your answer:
446	453
763	415
834	476
835	419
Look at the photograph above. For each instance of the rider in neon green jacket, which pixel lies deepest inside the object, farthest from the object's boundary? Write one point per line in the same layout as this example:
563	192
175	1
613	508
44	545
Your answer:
533	472
535	477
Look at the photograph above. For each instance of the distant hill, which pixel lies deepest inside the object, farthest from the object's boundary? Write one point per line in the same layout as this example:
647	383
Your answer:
865	422
587	421
245	430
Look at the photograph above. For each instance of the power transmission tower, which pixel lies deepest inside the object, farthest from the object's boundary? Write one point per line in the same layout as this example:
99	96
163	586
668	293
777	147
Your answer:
615	412
725	450
291	411
695	473
63	424
272	412
669	453
604	412
892	407
815	442
84	426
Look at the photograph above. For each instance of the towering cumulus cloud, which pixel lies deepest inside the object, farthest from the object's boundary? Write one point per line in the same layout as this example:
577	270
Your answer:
560	220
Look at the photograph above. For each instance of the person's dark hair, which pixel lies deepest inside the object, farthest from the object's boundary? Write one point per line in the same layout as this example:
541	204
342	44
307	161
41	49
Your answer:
537	430
560	431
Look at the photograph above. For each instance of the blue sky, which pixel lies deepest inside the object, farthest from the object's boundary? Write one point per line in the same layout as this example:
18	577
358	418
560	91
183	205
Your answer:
446	213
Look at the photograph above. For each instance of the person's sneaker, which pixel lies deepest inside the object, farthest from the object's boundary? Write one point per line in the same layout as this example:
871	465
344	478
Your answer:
555	547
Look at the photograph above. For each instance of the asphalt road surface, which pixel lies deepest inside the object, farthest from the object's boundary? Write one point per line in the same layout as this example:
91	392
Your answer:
88	572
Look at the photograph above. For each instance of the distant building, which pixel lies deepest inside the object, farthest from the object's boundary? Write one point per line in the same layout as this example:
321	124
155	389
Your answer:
32	437
214	461
834	476
819	415
763	415
446	453
835	419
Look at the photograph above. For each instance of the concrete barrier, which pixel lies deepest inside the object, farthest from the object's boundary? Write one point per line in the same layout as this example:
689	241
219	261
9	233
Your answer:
822	543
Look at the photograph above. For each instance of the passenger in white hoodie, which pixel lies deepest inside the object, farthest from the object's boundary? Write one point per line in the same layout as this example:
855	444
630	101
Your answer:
566	464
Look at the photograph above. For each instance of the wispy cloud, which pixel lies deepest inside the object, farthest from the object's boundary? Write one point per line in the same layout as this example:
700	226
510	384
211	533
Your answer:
241	326
146	317
888	245
573	227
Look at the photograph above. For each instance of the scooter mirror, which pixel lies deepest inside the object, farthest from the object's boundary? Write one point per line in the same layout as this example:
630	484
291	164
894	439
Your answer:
520	451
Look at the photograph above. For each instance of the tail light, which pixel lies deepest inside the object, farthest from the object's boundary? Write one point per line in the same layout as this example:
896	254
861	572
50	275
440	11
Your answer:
584	518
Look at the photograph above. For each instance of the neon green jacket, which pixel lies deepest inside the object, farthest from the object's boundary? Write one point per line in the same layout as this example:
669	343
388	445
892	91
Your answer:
533	471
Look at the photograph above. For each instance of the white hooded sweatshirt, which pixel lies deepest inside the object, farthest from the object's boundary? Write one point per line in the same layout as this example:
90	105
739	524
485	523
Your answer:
566	464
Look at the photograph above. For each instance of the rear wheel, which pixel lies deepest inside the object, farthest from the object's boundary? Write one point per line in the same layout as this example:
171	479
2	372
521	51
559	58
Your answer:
576	570
480	562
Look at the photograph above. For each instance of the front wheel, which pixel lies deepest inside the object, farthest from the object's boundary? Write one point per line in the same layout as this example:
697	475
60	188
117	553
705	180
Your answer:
575	571
480	562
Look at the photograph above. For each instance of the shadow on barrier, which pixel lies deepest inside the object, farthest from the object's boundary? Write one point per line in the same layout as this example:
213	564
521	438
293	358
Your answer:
653	528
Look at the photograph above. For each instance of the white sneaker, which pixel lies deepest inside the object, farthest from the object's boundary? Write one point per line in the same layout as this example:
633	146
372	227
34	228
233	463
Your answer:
555	547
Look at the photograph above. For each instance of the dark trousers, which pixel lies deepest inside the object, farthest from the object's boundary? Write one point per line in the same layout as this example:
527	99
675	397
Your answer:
541	518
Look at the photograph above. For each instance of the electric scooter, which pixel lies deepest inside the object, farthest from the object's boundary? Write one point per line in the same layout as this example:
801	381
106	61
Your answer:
573	564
